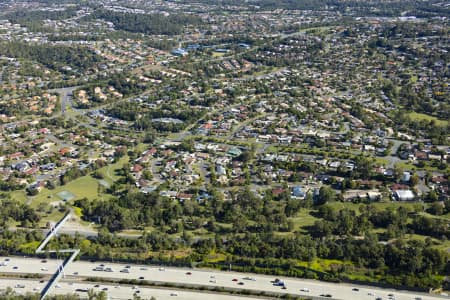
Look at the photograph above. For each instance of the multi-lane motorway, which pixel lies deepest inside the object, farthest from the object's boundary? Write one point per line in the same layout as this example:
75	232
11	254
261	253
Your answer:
113	291
78	270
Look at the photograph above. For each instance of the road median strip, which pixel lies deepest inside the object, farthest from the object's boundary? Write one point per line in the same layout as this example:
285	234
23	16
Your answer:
201	288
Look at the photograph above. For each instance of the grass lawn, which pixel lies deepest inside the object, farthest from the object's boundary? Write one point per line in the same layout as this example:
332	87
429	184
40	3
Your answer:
272	149
131	232
437	243
419	116
318	29
348	205
141	147
381	161
20	196
109	172
218	54
445	246
224	225
378	230
396	204
303	219
408	165
378	205
446	216
264	71
85	186
55	216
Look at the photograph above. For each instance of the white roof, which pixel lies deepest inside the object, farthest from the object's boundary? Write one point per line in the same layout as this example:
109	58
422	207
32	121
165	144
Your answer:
404	194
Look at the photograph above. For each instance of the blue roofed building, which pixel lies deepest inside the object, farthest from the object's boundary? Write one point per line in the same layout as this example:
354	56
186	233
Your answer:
222	50
244	45
179	52
234	152
193	47
298	192
203	196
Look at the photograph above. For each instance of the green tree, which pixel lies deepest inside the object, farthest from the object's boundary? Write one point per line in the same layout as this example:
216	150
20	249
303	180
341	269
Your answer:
432	196
414	180
326	194
364	166
436	208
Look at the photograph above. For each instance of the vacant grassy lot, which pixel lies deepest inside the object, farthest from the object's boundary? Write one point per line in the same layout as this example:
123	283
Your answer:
379	205
303	219
19	196
109	172
85	186
418	117
218	54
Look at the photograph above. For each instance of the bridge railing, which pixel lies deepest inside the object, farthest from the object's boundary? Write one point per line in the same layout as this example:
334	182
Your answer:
60	271
52	232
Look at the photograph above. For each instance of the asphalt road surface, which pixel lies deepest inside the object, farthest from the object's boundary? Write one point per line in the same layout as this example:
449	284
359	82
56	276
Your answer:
113	291
209	278
65	94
